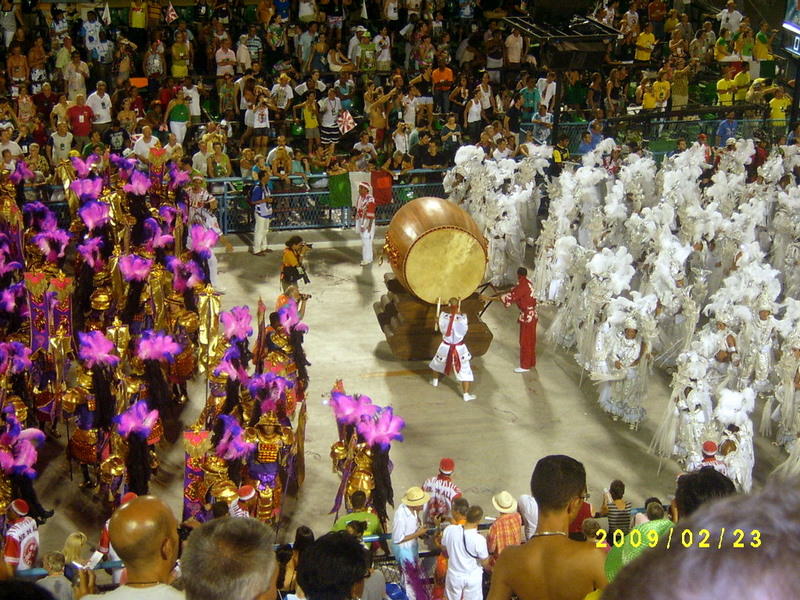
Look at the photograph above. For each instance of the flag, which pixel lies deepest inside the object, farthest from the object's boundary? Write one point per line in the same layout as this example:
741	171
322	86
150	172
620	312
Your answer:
382	187
171	14
364	14
346	122
339	190
106	16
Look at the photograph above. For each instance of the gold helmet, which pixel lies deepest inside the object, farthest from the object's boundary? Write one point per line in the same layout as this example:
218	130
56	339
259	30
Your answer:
101	299
269	418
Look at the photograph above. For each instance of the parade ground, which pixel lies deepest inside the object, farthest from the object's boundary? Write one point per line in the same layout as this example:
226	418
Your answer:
495	440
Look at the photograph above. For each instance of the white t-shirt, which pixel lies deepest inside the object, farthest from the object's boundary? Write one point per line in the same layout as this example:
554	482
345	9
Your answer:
221	55
530	514
409	109
101	107
404	523
194	100
514	48
142	148
261	118
282	94
22	544
61	146
485	95
155	592
12	147
465	549
384	45
329	111
473	111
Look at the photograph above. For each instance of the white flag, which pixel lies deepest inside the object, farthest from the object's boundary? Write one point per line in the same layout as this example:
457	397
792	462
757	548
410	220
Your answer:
106	17
171	13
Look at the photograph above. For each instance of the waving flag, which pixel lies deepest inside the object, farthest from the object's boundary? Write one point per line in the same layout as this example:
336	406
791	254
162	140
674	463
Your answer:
171	13
346	122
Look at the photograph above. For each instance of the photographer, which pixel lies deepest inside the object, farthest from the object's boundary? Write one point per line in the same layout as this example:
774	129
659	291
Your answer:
292	268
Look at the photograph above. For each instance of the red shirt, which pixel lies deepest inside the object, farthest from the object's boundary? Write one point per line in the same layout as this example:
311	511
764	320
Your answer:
80	120
165	95
584	513
522	295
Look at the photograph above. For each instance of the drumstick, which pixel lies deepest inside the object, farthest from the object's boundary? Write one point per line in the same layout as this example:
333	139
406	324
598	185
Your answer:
438	308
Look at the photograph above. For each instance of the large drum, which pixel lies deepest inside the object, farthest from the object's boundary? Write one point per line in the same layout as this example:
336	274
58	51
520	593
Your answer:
436	250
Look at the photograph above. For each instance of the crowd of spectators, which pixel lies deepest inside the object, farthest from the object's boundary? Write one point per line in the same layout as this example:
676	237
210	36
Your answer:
233	89
527	553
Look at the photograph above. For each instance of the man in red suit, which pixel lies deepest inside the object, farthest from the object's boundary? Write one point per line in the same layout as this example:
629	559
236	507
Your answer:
522	295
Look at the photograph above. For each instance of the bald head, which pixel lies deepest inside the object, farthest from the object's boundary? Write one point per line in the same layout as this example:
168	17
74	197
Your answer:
144	534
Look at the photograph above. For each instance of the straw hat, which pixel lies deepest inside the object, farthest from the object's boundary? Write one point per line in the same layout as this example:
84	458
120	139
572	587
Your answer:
415	496
504	502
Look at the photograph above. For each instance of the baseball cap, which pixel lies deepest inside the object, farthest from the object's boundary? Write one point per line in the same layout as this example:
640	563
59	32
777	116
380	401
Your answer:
246	492
128	497
447	466
709	448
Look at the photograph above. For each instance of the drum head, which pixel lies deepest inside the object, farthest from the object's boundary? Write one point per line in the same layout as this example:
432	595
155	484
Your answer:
444	263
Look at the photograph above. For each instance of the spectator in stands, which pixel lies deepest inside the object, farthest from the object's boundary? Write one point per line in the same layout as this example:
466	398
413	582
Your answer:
144	533
507	528
727	128
760	566
334	567
550	565
616	508
55	582
229	559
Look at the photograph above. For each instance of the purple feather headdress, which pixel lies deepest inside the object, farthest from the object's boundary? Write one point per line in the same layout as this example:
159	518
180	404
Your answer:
350	409
8	267
157	345
18	446
290	318
87	189
382	429
94	214
236	323
167	214
268	388
10	299
138	185
203	240
52	243
155	238
137	420
231	445
134	267
226	366
38	217
177	177
15	357
185	275
96	349
83	167
124	165
21	172
90	251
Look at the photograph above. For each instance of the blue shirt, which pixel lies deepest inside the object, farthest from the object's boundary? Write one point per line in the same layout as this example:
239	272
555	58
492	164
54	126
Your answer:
727	129
263	209
585	147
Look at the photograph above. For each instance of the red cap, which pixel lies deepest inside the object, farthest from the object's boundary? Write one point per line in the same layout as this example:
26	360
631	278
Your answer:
709	448
447	466
20	507
702	136
246	492
128	497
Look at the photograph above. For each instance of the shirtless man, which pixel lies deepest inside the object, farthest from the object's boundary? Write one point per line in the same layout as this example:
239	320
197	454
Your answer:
377	117
17	66
550	566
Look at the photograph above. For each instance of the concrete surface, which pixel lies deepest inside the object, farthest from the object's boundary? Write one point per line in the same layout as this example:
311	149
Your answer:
494	440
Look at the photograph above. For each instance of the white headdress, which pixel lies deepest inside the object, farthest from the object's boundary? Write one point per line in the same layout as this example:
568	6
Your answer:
734	408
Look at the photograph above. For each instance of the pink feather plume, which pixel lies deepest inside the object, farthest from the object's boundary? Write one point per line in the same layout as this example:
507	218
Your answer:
350	409
90	251
157	345
232	445
203	240
94	214
237	323
134	267
96	349
137	420
138	185
383	428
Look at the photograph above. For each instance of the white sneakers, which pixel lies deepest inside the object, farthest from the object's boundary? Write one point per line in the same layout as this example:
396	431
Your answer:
364	263
521	370
468	397
435	382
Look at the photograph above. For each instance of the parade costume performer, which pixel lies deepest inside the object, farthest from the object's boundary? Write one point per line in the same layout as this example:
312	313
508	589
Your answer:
452	356
136	426
524	297
361	455
365	220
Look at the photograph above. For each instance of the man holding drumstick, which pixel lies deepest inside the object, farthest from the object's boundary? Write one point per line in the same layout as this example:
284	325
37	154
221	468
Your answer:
452	355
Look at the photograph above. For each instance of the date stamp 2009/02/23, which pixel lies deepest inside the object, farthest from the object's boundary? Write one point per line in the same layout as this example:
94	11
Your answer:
687	538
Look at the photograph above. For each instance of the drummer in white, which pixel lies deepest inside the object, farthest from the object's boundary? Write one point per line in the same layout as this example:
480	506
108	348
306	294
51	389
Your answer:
453	355
365	220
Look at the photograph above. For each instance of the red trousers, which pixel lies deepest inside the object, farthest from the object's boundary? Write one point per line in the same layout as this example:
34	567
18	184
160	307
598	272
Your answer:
527	345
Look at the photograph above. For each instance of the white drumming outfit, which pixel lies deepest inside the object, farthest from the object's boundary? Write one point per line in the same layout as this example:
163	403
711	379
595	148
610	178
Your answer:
465	549
22	544
452	354
365	223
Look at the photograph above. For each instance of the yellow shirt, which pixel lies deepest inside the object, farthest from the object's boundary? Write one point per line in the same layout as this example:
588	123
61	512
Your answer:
761	47
139	16
661	90
645	40
648	100
721	49
725	90
777	110
742	82
309	118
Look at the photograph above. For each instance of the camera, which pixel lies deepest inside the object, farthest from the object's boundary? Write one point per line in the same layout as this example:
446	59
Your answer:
307	245
305	296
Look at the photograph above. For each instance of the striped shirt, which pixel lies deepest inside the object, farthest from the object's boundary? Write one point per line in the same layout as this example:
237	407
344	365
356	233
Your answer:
619	518
443	491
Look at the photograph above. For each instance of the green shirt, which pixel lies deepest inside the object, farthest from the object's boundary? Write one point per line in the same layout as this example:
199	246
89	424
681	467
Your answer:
373	525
